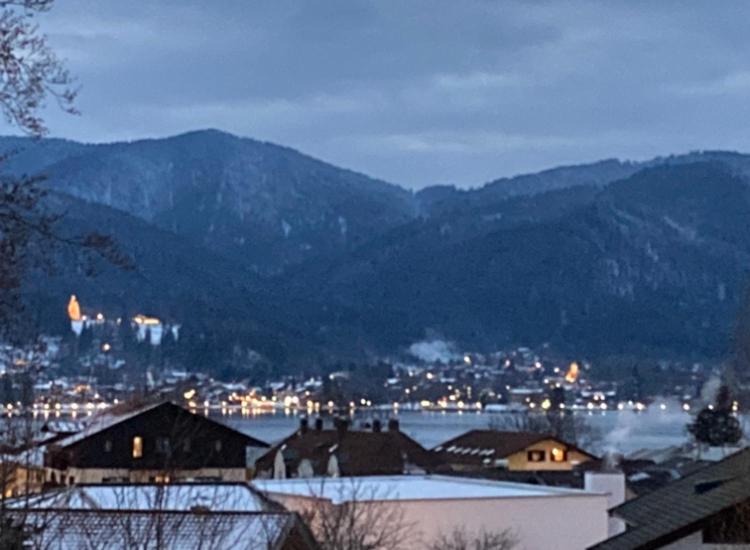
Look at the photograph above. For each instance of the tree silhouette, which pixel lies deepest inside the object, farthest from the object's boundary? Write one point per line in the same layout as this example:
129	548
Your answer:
716	424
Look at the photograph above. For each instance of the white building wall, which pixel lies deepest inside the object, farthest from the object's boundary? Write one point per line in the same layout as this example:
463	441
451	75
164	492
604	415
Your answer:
611	484
539	523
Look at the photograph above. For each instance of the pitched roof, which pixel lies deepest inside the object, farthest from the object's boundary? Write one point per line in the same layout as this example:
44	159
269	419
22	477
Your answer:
476	446
358	452
169	530
682	506
108	418
173	497
104	420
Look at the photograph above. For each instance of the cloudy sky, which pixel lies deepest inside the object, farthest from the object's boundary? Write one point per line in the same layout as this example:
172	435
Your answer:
415	91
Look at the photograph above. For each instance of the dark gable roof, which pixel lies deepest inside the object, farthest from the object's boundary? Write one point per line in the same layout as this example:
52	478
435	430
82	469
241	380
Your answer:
359	453
682	507
549	478
109	418
477	445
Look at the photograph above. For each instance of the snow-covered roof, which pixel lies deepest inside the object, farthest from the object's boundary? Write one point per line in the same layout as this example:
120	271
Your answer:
33	457
65	529
424	487
63	426
103	420
177	497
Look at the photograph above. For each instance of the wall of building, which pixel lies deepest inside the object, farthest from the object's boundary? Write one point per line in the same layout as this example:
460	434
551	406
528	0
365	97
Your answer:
611	484
694	541
520	461
193	440
560	522
19	480
99	475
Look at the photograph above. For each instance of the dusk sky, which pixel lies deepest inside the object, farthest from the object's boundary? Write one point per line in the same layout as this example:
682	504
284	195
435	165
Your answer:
416	92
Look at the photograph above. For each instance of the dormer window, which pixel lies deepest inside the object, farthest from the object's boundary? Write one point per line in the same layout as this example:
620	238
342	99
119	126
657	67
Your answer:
558	454
536	456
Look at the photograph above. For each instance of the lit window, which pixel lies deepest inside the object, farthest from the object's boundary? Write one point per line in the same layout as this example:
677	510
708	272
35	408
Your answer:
536	456
559	455
137	446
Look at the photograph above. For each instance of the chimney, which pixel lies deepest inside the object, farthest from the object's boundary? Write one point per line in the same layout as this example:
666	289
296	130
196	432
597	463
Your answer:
318	424
393	425
377	426
612	484
303	425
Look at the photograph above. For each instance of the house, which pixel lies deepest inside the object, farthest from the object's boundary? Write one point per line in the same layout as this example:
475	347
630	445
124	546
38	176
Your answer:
155	442
486	449
22	465
424	507
706	509
343	451
170	516
21	472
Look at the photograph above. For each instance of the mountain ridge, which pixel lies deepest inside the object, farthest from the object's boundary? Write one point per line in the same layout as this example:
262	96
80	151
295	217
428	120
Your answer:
302	261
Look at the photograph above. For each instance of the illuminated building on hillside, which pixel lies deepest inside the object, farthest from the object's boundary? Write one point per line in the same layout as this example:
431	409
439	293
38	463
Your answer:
74	312
146	328
149	327
572	375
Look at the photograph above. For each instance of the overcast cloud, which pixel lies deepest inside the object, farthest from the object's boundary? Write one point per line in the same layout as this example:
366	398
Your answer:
415	91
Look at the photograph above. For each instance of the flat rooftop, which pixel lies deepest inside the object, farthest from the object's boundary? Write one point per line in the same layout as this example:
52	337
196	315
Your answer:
407	487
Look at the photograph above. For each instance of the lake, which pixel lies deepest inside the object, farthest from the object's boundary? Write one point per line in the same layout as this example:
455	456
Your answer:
623	431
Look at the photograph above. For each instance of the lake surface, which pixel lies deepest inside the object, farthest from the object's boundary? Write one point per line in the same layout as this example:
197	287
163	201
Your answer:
623	431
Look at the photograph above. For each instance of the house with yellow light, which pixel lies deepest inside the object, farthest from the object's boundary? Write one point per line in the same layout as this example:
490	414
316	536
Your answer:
154	442
479	450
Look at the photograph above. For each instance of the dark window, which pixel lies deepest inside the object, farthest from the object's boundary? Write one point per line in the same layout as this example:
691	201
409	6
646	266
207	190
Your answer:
208	479
108	446
71	480
536	456
217	445
162	445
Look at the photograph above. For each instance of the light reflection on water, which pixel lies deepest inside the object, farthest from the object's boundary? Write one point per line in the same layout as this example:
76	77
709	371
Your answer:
623	431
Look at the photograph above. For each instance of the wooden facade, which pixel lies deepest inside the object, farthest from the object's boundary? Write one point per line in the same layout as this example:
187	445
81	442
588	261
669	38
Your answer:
159	442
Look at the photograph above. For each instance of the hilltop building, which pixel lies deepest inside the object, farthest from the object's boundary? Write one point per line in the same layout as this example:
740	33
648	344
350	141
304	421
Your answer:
147	328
